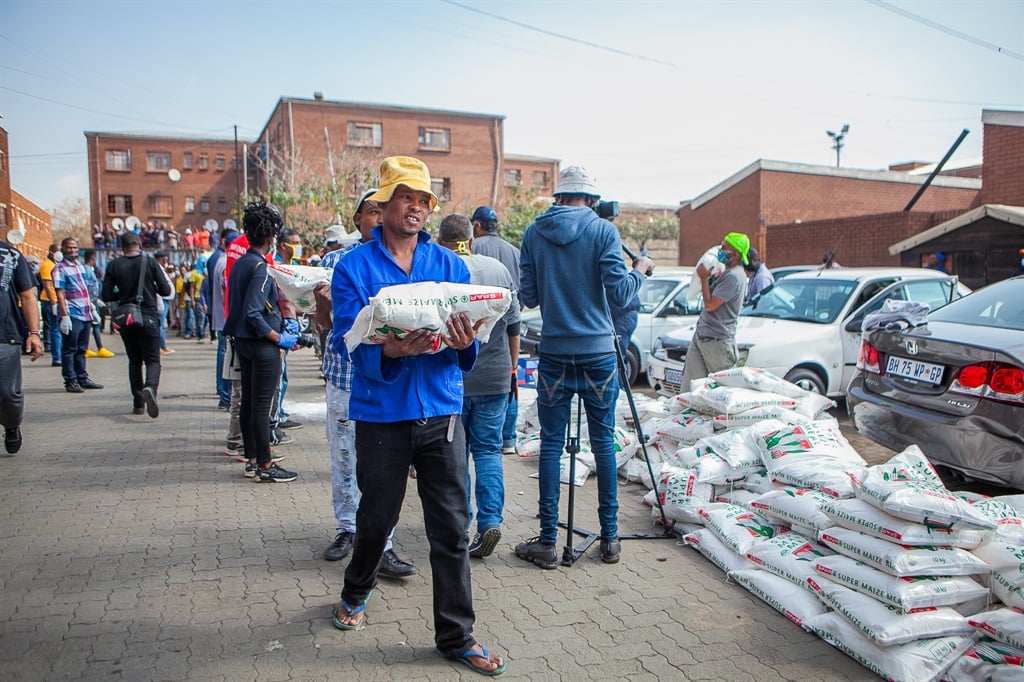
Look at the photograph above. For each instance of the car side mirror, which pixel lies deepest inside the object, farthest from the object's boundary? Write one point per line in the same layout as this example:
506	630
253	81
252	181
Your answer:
854	324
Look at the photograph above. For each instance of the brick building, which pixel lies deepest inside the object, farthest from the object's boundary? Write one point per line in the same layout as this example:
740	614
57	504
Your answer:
32	225
174	179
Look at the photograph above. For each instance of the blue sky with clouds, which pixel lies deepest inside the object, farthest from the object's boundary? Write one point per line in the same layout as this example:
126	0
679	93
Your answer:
659	99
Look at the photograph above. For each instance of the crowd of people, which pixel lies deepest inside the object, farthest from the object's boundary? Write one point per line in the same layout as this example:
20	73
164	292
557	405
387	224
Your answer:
155	235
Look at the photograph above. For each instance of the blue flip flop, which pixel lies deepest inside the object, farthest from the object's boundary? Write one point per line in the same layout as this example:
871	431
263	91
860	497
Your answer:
350	611
486	655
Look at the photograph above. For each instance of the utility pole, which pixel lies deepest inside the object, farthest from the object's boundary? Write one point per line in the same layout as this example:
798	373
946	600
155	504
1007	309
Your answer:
837	139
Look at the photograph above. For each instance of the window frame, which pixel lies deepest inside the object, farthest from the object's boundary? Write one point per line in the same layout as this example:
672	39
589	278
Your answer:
219	163
376	136
161	205
190	203
444	191
204	161
186	163
204	205
126	204
222	205
512	177
113	168
425	137
151	161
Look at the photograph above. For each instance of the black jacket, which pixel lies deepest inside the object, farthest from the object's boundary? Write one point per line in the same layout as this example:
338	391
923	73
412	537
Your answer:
253	308
122	279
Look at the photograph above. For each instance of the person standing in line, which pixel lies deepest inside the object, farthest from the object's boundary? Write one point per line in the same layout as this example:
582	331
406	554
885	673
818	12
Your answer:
92	282
406	403
196	277
486	390
288	252
714	338
164	304
48	297
255	323
216	283
141	343
19	329
75	318
760	276
486	242
341	431
573	268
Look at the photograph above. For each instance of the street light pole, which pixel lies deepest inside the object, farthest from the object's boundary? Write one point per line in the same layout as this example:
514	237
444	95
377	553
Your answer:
837	139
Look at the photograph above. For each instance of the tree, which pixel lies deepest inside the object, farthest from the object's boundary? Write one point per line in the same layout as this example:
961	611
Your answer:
70	218
641	231
521	209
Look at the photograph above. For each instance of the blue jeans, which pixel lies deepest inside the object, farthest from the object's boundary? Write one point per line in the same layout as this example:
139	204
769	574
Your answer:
384	452
483	417
223	385
200	316
73	347
595	379
508	430
53	335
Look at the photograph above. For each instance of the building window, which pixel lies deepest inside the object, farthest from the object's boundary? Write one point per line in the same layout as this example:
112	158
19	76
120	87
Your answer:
435	138
204	205
158	161
513	177
187	165
222	205
365	134
3	163
204	162
540	178
441	187
190	204
119	204
119	160
161	205
219	163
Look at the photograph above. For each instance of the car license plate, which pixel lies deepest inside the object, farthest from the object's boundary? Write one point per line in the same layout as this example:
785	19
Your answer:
673	376
914	369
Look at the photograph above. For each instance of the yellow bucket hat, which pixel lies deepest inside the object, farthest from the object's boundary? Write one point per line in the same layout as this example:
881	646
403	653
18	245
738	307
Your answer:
740	242
403	170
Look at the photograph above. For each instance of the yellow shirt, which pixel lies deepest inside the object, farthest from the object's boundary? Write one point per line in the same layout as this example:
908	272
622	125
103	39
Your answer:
46	274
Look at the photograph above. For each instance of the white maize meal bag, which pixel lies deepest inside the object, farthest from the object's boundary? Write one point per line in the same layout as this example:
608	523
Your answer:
296	283
859	515
886	625
808	404
710	261
788	555
759	414
908	487
814	455
682	495
737	496
736	447
626	444
806	531
1004	625
1009	520
792	601
687	426
528	444
714	399
988	661
794	506
907	594
716	551
737	527
1007	562
902	560
759	482
921	661
403	308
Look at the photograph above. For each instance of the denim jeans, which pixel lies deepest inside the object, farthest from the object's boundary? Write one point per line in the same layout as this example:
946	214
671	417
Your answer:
72	350
223	385
595	379
261	370
384	452
508	430
341	438
53	334
200	316
483	417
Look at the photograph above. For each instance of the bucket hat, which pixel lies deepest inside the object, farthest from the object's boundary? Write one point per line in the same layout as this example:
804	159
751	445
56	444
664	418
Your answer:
403	170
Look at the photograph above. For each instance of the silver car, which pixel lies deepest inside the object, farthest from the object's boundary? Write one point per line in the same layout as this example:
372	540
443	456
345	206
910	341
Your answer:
955	386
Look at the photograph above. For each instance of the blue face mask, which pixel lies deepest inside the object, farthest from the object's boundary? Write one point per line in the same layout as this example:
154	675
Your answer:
723	257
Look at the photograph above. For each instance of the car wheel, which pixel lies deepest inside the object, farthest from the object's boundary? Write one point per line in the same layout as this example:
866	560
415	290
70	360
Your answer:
632	365
807	379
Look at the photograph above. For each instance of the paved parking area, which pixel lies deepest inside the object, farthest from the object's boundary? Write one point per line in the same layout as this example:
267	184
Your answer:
134	549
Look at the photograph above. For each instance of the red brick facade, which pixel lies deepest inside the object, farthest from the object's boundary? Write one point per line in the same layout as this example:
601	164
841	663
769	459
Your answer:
1004	158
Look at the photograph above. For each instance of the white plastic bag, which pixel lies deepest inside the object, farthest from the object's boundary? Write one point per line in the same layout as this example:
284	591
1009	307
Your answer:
716	551
794	506
296	283
795	603
814	455
737	527
1007	562
682	495
902	560
710	261
788	555
1005	625
860	516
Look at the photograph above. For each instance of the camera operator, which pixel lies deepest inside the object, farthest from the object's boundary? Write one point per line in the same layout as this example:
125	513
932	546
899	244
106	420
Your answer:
572	267
255	323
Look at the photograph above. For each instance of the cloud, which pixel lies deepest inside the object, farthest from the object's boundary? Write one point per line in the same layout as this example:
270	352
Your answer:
75	183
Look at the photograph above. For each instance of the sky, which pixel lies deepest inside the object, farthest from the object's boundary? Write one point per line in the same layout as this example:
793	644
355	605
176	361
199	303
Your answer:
659	99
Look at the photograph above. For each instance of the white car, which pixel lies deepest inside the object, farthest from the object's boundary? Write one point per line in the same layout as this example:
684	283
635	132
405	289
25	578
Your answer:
806	327
664	306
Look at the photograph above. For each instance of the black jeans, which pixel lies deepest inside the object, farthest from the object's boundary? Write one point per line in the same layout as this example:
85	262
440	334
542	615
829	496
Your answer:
384	452
142	346
261	372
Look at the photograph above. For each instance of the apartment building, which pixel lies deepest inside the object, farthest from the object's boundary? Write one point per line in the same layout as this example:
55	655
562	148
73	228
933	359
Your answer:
177	180
31	226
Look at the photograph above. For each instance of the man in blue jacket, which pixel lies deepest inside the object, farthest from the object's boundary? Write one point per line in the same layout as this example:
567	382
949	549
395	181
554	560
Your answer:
573	268
407	403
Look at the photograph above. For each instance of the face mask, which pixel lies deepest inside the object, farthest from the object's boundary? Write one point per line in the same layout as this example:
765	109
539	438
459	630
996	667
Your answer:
57	256
723	257
296	250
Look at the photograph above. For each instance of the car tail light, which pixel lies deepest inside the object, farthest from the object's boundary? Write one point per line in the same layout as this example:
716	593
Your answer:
868	358
991	380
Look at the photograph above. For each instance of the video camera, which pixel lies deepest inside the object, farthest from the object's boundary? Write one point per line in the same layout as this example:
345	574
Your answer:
606	209
305	341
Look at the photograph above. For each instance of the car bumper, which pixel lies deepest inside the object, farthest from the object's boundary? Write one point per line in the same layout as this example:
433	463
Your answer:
974	445
664	376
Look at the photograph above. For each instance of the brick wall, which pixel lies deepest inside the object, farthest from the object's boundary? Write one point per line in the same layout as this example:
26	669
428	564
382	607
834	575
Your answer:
1003	181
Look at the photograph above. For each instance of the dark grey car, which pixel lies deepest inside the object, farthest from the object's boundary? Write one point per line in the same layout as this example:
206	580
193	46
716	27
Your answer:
954	386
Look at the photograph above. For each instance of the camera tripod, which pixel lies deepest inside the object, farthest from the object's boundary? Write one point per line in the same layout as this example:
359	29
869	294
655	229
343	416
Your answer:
570	553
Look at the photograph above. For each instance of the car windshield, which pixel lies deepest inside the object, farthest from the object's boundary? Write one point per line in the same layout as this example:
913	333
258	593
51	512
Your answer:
653	291
804	300
998	305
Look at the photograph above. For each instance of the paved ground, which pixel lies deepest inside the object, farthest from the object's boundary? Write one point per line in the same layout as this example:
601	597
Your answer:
134	549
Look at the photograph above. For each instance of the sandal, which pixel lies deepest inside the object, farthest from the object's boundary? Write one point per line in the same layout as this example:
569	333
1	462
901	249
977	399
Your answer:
484	654
350	612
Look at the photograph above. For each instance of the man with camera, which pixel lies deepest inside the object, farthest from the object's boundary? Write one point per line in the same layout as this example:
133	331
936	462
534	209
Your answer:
573	268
